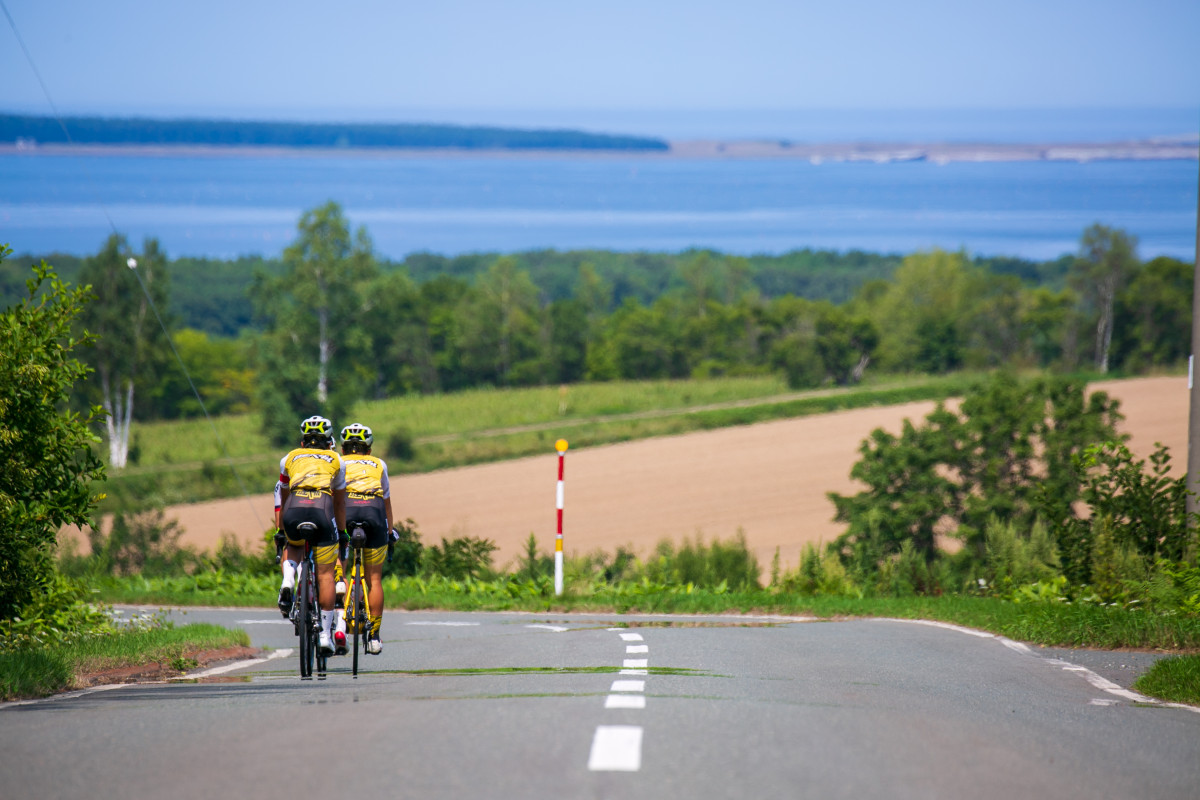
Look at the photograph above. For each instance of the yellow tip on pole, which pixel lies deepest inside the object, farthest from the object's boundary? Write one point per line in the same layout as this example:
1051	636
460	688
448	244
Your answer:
561	445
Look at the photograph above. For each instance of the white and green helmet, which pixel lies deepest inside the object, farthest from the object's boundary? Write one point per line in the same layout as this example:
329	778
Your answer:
317	426
357	432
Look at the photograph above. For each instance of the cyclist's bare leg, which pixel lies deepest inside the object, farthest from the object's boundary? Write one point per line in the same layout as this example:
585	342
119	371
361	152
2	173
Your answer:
325	586
375	588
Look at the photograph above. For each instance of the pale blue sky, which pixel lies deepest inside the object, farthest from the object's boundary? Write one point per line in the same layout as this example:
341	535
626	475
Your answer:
551	61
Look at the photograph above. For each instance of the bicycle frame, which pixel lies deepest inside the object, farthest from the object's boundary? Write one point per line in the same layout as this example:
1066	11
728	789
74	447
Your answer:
357	612
305	613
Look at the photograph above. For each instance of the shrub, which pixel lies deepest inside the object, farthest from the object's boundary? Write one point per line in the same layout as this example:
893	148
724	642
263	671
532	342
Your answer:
406	553
142	542
400	446
820	573
58	614
1147	508
1013	559
460	558
705	565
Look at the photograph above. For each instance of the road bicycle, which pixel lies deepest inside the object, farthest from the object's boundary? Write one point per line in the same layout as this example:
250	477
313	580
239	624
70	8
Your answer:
357	612
306	613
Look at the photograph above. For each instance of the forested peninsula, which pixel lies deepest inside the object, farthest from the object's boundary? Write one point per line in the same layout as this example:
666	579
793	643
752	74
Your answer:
32	131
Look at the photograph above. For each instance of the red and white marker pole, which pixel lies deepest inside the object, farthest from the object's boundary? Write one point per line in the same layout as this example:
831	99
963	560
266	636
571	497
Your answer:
561	447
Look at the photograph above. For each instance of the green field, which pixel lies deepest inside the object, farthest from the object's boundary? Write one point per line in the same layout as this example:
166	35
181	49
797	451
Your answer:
182	461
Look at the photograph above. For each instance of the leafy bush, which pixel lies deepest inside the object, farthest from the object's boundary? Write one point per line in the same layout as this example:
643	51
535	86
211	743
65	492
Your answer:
61	612
1013	559
533	565
407	552
1008	453
820	573
144	543
461	558
49	464
1146	508
400	445
709	566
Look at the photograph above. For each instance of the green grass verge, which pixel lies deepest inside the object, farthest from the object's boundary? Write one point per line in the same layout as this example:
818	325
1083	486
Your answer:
1175	679
180	461
1050	624
44	671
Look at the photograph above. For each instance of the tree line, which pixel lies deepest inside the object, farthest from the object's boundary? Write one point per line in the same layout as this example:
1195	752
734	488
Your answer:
332	323
244	133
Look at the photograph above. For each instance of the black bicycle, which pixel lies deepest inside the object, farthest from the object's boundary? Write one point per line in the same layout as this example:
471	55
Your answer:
306	614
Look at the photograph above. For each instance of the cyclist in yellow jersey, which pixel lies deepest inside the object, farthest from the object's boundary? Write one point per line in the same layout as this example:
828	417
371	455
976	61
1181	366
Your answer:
369	500
312	481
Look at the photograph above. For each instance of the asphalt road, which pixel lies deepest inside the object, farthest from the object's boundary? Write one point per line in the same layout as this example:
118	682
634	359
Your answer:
583	706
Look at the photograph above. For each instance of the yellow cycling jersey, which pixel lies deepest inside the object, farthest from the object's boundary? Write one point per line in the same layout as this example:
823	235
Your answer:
366	476
312	470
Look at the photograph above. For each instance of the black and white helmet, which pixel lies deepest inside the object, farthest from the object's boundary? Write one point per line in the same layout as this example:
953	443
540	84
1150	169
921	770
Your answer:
317	426
357	432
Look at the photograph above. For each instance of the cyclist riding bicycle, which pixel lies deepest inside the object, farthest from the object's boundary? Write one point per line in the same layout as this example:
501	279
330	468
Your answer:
312	481
369	500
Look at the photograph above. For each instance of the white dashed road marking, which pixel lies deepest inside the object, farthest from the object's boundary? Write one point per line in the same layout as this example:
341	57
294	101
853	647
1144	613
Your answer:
616	748
637	648
628	686
636	663
631	637
637	701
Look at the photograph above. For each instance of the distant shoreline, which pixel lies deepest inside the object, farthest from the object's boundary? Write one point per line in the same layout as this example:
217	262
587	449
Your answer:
708	149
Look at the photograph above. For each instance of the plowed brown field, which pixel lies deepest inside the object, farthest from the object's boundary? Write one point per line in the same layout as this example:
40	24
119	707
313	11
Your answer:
768	480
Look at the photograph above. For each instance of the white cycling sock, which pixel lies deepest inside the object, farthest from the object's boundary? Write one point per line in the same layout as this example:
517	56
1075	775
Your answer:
340	622
327	621
289	574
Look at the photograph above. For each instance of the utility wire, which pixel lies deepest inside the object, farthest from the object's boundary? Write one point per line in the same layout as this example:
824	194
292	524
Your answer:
132	264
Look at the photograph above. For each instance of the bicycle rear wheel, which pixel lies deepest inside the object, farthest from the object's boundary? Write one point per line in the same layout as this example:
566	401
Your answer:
356	616
305	623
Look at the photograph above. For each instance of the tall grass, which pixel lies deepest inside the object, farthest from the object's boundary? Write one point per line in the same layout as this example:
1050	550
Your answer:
45	670
1176	679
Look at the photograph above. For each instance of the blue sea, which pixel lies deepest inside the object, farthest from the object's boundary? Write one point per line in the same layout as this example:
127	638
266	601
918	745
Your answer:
225	206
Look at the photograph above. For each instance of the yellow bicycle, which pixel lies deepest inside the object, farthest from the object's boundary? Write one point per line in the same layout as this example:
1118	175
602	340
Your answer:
357	611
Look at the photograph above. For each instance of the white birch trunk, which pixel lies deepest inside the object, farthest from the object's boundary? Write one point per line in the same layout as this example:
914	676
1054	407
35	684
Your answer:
117	423
323	357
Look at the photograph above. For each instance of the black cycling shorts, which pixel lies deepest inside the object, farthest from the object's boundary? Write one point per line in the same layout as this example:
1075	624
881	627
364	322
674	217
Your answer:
314	507
369	511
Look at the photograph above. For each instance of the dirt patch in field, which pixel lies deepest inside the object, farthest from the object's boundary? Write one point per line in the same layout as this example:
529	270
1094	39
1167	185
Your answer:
768	480
162	670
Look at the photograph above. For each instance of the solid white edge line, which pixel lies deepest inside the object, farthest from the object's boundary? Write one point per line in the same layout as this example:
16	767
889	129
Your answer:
634	701
109	686
1098	681
555	628
69	695
208	673
616	748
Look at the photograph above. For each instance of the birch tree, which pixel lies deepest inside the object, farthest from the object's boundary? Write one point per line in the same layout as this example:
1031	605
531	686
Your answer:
1106	263
314	356
129	341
